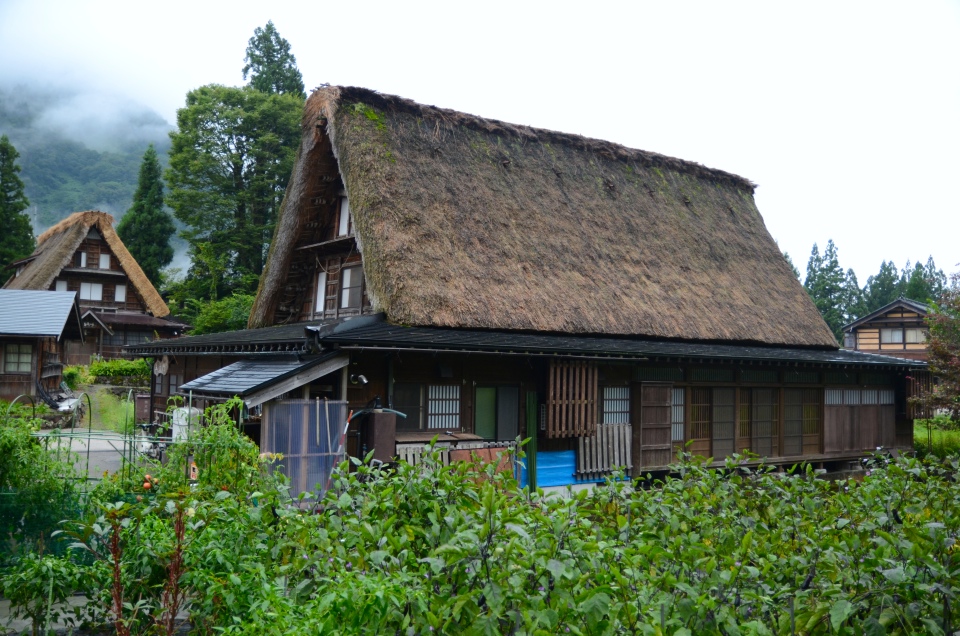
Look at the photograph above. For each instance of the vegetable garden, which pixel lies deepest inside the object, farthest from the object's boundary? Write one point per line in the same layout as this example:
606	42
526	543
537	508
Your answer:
461	549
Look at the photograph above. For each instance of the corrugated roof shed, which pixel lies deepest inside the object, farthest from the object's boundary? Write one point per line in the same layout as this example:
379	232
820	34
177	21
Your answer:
38	313
253	379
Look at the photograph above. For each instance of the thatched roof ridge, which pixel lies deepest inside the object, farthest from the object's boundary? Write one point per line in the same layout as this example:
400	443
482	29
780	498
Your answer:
451	119
474	223
57	245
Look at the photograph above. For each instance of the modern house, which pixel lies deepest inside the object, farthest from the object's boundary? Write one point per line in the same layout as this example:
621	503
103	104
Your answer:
34	326
493	281
898	329
119	304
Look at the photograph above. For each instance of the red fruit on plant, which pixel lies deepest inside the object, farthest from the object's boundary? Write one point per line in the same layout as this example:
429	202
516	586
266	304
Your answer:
147	485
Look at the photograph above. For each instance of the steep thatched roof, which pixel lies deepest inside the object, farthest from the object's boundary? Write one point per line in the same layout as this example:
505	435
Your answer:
56	247
475	223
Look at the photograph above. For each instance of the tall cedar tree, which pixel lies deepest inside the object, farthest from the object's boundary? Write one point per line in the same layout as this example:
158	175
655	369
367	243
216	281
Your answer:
881	289
827	285
270	65
944	323
230	161
16	239
146	228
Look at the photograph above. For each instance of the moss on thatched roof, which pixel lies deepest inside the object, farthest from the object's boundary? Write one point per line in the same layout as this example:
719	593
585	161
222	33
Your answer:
475	223
56	247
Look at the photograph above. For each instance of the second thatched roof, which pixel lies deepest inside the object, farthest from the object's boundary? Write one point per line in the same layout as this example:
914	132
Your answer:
56	247
475	223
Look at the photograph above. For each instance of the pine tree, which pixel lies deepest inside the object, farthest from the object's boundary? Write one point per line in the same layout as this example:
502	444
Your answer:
146	228
882	289
793	268
826	284
16	239
270	65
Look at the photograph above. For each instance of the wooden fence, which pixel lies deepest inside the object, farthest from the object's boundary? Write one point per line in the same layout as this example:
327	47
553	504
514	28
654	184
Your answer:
605	451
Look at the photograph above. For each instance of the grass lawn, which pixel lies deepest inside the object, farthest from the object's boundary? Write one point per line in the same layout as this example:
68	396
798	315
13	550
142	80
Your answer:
935	440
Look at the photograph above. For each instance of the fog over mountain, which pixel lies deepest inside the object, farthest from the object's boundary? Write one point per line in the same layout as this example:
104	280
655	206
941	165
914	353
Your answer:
78	150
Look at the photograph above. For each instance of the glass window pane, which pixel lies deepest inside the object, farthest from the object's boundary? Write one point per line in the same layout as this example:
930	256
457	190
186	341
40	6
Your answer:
104	261
61	285
121	294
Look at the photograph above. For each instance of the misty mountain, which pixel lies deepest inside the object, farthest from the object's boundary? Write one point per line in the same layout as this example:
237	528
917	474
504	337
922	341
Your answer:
78	151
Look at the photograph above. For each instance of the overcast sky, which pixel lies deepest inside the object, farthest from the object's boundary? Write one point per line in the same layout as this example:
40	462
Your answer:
846	114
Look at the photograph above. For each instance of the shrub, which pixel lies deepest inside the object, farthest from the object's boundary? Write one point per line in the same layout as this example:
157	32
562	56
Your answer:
74	376
119	368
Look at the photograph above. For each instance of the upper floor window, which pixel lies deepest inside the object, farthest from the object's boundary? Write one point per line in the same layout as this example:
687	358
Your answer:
351	282
343	226
321	303
81	259
17	358
849	340
91	291
891	336
916	336
120	295
104	261
61	285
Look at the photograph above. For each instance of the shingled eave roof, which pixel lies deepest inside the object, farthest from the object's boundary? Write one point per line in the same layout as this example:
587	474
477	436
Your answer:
56	247
383	335
474	223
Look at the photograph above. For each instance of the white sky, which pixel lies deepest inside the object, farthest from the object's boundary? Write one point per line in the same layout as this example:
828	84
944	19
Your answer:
846	114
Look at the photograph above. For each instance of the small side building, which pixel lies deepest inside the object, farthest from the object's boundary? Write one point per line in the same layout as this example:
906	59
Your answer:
898	329
34	325
119	305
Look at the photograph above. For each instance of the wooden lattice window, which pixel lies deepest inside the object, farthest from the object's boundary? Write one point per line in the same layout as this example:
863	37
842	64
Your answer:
572	403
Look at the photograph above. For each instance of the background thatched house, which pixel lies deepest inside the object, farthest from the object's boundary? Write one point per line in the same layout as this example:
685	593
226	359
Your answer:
491	280
120	306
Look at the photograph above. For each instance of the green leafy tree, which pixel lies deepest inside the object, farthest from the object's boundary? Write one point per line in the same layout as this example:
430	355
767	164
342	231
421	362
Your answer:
944	352
270	65
827	285
146	228
227	314
229	164
16	240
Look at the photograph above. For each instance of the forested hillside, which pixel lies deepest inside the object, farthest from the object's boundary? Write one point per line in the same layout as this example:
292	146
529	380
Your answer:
78	152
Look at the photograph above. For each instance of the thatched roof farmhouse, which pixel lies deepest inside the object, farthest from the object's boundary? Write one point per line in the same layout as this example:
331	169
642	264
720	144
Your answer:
490	281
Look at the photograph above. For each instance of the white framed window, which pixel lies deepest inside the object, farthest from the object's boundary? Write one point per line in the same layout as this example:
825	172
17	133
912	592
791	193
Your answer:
61	285
891	336
321	303
120	295
81	259
432	406
351	279
615	408
17	358
916	336
104	261
343	227
91	291
443	406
